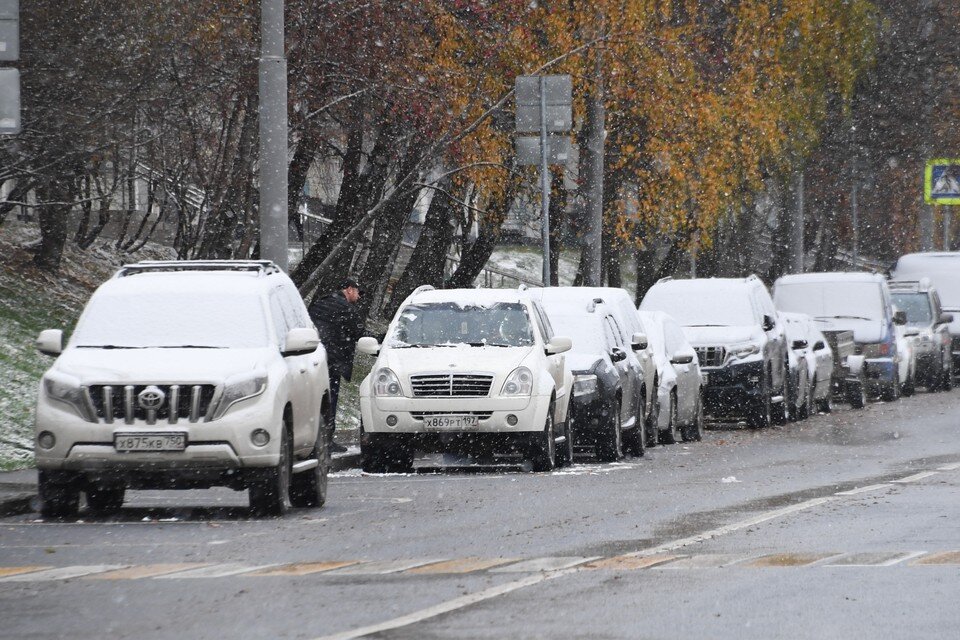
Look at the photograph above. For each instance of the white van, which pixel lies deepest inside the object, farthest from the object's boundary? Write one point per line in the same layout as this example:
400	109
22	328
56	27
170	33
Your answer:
942	268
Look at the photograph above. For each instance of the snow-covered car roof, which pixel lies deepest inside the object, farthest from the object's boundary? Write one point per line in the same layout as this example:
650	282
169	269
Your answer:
214	281
834	276
475	297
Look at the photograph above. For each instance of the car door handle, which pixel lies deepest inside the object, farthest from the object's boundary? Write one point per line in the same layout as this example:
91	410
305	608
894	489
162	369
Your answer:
315	363
303	369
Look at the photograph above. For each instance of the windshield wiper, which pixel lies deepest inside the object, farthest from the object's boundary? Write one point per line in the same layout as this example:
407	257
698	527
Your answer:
189	346
106	346
842	318
421	346
488	344
706	325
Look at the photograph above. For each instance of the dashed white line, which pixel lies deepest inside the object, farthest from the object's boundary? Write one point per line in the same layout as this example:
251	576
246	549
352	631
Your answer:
64	573
915	477
858	490
949	467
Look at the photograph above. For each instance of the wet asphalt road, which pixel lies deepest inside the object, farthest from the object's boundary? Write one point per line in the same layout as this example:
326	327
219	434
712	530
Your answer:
842	526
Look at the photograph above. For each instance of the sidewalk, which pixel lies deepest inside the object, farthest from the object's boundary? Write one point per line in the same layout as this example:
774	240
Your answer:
18	489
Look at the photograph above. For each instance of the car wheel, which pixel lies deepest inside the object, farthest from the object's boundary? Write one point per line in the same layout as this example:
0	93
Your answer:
651	424
856	394
270	491
694	432
825	405
671	434
609	446
543	446
947	384
59	495
309	488
909	387
105	499
761	414
891	392
634	438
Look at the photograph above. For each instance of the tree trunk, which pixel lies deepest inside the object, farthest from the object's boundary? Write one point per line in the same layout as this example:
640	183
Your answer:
593	168
53	219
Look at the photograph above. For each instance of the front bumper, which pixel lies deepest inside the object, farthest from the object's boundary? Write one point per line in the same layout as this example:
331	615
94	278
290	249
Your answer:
880	371
734	389
492	413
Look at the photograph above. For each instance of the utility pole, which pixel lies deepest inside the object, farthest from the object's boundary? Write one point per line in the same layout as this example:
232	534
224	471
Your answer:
545	182
593	178
797	229
855	222
273	134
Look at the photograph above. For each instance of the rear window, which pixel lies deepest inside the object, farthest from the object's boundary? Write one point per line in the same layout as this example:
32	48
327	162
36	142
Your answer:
832	300
916	306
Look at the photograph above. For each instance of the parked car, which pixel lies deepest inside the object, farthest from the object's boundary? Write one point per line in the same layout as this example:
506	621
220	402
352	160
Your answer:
741	348
799	397
942	269
185	374
921	302
679	392
466	370
810	345
606	411
857	302
629	325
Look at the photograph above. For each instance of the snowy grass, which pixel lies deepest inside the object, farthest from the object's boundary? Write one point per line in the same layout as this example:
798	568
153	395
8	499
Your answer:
528	261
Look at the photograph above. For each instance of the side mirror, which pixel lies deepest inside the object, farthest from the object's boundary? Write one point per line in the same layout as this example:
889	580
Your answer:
900	318
681	357
799	344
50	342
946	318
300	341
558	344
769	324
368	345
639	342
820	345
618	355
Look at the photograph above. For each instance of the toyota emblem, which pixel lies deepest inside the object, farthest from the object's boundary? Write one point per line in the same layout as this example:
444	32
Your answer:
151	398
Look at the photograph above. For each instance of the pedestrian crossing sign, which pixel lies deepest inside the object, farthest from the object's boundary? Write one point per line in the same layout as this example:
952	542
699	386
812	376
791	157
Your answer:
942	182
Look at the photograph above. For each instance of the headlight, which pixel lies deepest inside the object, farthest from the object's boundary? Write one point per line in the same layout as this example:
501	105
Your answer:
386	384
744	350
66	389
518	383
239	388
584	384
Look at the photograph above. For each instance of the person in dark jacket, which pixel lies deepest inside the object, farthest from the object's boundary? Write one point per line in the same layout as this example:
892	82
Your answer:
340	326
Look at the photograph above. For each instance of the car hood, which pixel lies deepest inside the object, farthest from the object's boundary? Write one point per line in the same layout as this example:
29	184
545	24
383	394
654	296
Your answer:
864	331
583	361
713	336
159	366
497	360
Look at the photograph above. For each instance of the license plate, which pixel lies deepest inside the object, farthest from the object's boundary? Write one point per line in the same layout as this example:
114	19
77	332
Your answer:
150	441
706	377
452	423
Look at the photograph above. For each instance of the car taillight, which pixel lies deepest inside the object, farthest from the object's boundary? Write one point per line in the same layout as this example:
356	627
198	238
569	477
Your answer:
885	348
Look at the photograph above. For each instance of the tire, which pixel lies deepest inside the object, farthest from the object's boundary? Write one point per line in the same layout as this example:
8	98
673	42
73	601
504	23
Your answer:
761	415
633	440
543	445
671	434
270	491
856	394
105	500
947	384
59	495
650	425
566	451
891	392
694	432
909	387
609	446
309	488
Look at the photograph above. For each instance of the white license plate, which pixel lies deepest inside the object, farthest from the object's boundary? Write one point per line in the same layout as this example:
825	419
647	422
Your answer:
452	423
150	441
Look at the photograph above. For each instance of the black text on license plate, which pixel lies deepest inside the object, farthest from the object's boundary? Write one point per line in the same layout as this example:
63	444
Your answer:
150	441
453	423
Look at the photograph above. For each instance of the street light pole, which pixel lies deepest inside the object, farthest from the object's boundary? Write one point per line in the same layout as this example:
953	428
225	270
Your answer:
273	134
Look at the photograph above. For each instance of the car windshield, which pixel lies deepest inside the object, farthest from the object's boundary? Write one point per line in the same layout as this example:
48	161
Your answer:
832	300
702	306
916	306
455	323
170	320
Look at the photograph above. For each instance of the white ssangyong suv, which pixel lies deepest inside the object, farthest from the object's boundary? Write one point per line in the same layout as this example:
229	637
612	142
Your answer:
186	374
470	371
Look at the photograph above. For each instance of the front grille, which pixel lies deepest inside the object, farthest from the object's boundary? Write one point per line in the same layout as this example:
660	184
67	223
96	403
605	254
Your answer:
420	415
711	356
445	385
181	402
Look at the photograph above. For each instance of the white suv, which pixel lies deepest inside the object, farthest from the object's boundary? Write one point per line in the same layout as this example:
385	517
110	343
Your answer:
186	374
470	370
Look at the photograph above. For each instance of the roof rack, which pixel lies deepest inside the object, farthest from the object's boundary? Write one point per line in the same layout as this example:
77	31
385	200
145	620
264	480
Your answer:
261	267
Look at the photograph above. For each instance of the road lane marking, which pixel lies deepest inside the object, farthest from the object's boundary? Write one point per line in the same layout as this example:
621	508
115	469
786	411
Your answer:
629	563
383	567
872	559
15	571
946	557
145	571
545	564
788	559
214	571
949	467
859	490
301	568
466	565
915	477
707	561
63	573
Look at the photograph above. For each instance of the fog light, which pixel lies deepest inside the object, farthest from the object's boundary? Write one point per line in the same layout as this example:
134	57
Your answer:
46	440
753	379
391	420
512	420
259	438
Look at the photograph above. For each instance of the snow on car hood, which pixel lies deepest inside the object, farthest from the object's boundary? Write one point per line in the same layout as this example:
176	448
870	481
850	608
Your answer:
582	361
158	366
864	331
413	360
711	336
